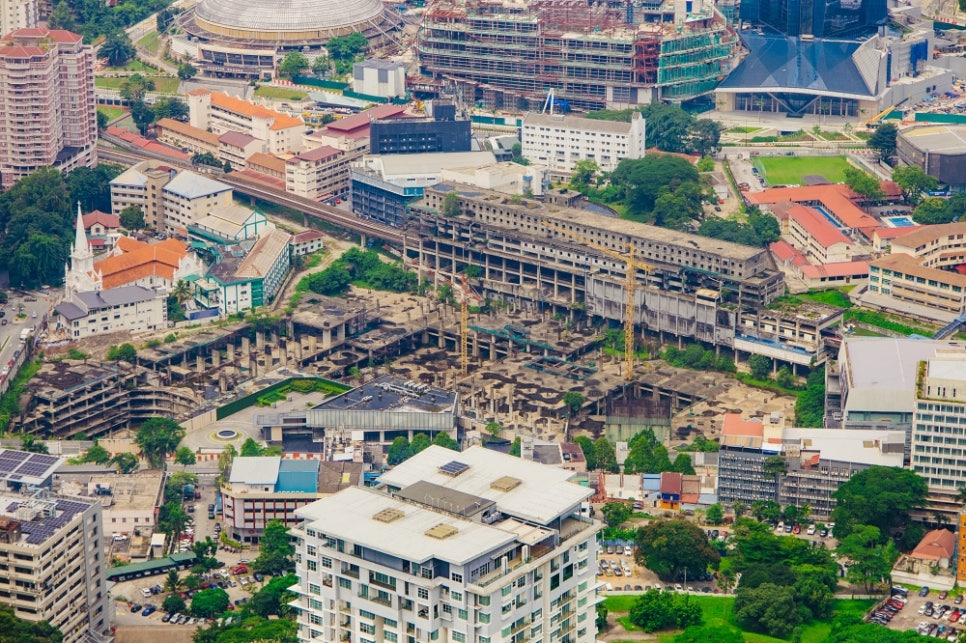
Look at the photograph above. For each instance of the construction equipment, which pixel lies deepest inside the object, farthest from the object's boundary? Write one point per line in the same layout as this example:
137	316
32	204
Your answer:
630	289
464	328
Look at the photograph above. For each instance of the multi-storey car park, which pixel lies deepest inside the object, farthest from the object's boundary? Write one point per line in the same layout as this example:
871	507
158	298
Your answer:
509	53
697	287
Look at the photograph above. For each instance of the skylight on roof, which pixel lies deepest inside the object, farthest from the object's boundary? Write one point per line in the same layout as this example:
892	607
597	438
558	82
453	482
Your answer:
454	468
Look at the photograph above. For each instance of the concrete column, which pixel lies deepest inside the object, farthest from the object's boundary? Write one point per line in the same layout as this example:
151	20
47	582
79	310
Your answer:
215	358
246	346
259	341
231	352
200	363
222	382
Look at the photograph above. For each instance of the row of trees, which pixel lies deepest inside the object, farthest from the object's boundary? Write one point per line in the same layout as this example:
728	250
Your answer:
93	18
402	449
671	129
759	228
343	51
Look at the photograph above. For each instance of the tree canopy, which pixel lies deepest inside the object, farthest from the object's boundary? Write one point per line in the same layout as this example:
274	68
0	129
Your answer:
658	188
883	141
17	630
878	496
655	610
670	548
275	550
209	603
158	437
769	609
671	129
913	182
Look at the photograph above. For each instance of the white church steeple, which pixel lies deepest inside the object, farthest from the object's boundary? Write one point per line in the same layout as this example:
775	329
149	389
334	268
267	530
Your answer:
80	277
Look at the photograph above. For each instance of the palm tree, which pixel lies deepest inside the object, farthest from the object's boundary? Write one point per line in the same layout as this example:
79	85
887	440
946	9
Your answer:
961	496
774	467
117	49
738	507
172	581
181	291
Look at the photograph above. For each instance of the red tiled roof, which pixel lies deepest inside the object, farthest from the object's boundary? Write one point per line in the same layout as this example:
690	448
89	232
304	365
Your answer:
894	233
362	119
139	260
671	483
783	250
153	146
318	154
308	235
937	544
261	178
104	218
236	139
817	226
856	269
837	199
20	51
734	425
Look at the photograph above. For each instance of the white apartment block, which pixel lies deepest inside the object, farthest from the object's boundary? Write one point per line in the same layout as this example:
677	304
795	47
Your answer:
319	173
51	551
559	141
472	547
17	14
939	421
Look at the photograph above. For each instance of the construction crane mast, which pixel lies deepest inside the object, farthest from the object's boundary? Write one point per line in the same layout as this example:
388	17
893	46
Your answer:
464	328
630	289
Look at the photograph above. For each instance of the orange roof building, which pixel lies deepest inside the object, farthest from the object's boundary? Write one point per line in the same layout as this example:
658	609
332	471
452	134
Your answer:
221	113
138	263
837	200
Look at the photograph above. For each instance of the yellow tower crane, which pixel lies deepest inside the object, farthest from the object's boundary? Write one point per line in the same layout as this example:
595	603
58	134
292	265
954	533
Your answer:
630	289
464	327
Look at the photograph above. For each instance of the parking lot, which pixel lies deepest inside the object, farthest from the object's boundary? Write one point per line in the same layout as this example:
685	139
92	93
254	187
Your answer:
943	624
619	573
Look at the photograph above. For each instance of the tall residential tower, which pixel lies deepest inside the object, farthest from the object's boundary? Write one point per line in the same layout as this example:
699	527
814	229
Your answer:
47	102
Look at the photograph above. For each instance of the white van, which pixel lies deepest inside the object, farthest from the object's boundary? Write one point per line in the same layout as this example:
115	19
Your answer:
608	587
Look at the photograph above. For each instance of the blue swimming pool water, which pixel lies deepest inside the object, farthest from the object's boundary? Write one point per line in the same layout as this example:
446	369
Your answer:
899	222
825	213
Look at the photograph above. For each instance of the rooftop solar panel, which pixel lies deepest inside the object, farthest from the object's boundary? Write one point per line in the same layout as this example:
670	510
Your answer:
454	467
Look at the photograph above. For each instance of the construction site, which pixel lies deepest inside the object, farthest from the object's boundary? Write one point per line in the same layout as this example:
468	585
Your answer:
506	54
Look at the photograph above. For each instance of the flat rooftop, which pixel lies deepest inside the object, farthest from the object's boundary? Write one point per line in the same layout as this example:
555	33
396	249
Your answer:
950	139
858	446
612	224
390	393
141	491
444	499
527	490
23	467
384	523
38	519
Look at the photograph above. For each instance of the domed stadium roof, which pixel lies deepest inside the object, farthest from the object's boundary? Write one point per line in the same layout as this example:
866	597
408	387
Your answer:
328	17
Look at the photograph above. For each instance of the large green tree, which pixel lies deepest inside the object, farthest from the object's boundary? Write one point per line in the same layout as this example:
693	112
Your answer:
616	513
913	182
274	597
294	64
16	630
126	462
642	181
132	218
672	547
933	210
769	609
864	184
869	560
883	141
606	455
275	550
118	49
655	610
877	496
209	603
587	447
158	437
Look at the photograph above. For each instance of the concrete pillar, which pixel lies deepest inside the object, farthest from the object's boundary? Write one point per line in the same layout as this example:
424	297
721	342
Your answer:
231	352
215	358
363	241
222	382
200	363
246	348
259	341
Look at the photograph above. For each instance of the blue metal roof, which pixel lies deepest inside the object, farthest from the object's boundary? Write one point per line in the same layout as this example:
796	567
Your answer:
777	63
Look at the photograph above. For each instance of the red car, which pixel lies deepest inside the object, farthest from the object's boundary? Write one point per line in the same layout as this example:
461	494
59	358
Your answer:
797	529
241	569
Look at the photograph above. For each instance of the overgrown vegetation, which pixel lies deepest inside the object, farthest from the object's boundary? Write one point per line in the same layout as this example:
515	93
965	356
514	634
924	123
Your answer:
699	358
363	268
10	402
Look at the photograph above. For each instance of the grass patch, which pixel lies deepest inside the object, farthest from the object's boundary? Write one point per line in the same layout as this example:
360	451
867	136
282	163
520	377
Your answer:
281	93
838	298
625	622
789	170
112	113
832	136
151	42
742	129
134	65
719	610
162	84
896	325
862	135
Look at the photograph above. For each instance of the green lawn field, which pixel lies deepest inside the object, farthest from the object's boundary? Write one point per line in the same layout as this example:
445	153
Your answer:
719	610
789	170
282	93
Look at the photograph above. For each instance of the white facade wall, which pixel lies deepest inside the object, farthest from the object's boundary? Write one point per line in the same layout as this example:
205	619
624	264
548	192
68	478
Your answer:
180	211
135	317
939	423
560	141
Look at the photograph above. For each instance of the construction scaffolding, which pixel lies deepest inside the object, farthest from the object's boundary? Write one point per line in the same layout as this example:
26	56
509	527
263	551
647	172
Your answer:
594	56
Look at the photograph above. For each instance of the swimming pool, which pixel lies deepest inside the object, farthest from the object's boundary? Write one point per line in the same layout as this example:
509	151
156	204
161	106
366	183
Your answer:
899	222
825	213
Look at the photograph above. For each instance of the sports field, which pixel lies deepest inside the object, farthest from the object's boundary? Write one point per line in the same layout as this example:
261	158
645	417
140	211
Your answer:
789	170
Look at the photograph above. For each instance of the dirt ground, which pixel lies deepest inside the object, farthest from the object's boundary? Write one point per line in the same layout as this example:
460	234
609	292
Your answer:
153	634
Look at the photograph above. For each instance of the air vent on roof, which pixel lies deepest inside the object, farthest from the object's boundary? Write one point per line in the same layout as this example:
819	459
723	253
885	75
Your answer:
442	531
454	468
504	484
388	515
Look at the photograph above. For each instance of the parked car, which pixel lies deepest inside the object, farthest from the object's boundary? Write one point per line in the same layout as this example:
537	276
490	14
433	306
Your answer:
811	530
924	591
150	609
258	577
137	607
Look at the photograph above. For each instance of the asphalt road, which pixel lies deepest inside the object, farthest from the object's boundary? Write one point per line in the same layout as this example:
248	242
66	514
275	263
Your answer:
35	312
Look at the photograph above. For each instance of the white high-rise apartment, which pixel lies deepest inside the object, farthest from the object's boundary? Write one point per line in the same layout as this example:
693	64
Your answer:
47	102
939	421
17	14
472	547
559	141
51	558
